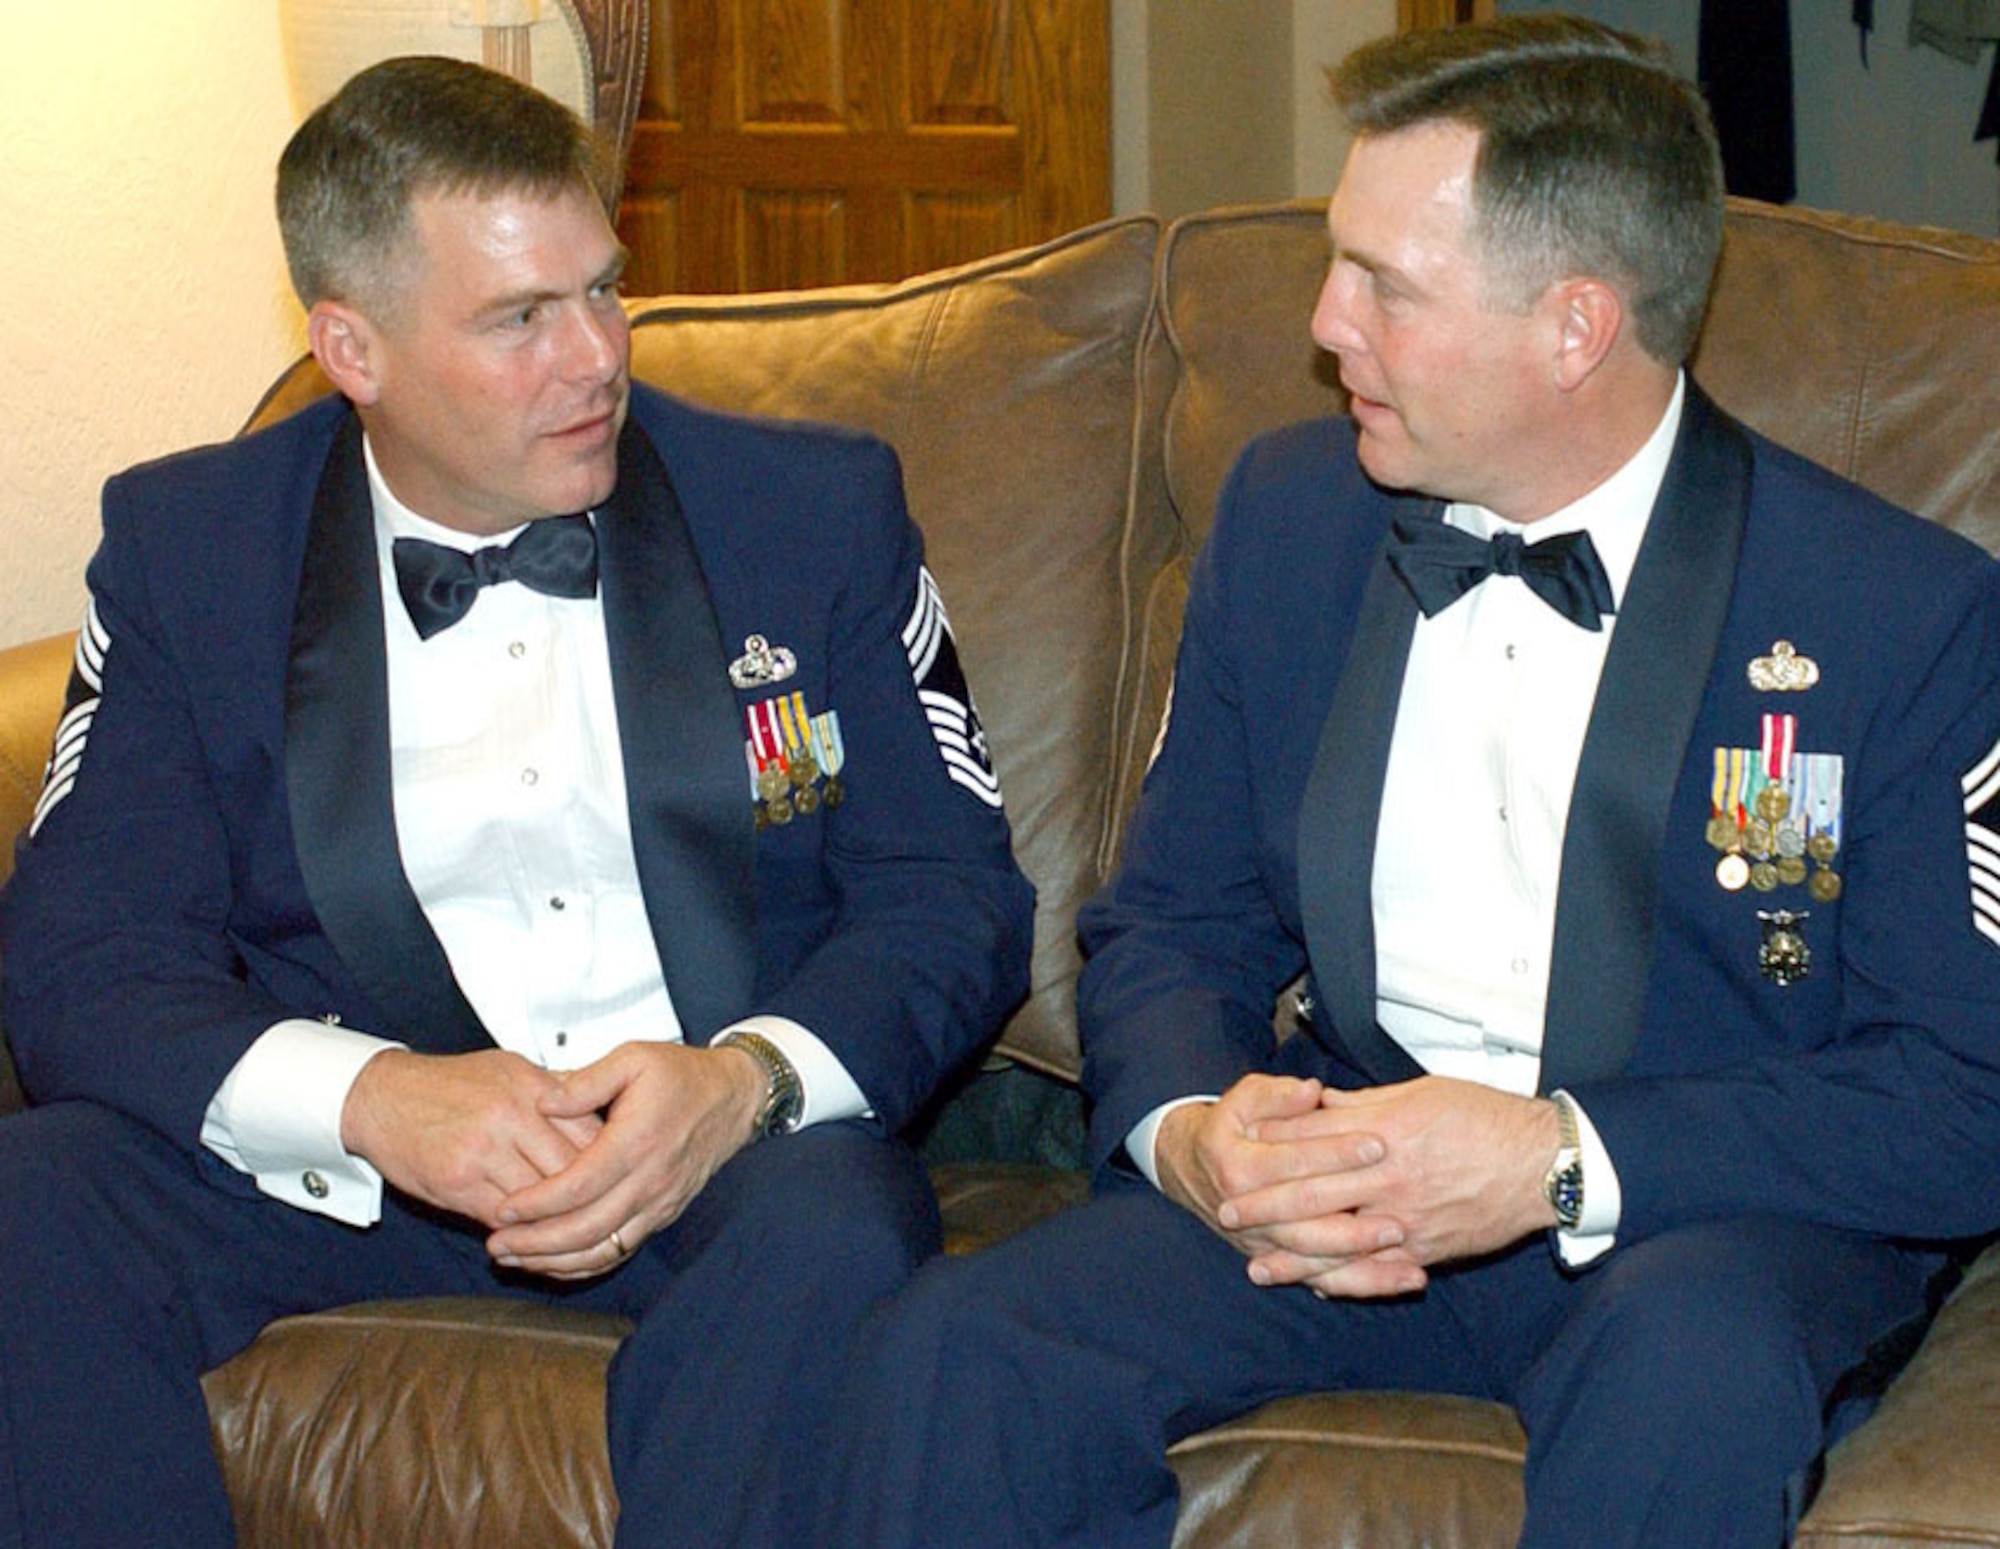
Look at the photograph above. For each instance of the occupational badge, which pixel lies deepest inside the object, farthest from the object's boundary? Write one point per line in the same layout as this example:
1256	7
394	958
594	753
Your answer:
762	663
1784	671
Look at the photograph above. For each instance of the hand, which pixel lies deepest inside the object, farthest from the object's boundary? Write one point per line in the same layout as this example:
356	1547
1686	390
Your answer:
671	1115
1462	1174
461	1131
1209	1155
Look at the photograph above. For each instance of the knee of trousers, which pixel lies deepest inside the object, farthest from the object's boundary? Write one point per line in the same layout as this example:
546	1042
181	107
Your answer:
847	1212
1727	1350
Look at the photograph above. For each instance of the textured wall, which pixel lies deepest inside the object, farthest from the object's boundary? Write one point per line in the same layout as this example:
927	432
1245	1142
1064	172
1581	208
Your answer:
145	298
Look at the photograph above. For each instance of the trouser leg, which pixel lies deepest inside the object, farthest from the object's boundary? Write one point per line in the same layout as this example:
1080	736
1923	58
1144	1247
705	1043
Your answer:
719	1397
126	1272
1689	1386
1026	1396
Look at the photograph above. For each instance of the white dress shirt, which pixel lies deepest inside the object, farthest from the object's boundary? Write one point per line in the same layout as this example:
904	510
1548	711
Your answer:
1496	697
510	804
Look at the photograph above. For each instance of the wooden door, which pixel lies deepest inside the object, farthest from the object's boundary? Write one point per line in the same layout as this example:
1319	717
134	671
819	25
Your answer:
1418	15
785	143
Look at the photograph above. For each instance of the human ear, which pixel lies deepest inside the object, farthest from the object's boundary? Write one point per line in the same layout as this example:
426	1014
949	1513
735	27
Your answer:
343	343
1590	316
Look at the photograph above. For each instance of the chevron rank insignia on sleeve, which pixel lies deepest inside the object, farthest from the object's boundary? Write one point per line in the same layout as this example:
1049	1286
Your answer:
86	689
1982	842
947	702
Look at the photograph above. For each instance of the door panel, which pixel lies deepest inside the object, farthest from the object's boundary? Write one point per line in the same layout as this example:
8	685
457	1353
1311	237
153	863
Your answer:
786	143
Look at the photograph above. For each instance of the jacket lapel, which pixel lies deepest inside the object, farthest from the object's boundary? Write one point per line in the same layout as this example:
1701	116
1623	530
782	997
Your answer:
1337	821
682	734
1669	626
337	770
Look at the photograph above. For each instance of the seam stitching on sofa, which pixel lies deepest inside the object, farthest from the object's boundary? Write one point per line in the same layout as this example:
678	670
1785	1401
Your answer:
404	1324
1872	1529
1320	1440
1130	670
1861	230
670	306
1865	368
920	358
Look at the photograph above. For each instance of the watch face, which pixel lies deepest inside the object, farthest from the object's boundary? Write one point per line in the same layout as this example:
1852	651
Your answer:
1566	1194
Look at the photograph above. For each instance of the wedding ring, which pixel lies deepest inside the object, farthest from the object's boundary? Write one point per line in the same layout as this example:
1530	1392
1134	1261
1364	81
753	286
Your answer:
617	1243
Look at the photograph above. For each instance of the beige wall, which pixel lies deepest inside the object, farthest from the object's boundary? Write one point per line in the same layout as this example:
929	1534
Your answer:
146	301
1224	101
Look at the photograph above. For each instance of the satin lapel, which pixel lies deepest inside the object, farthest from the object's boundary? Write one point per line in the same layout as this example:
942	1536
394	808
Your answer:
1655	675
687	785
337	771
1337	821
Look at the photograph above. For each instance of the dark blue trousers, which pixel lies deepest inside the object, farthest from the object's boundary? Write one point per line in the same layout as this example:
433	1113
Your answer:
126	1272
1027	1396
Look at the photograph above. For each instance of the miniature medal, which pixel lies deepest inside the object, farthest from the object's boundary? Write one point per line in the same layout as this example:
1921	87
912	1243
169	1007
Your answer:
1783	956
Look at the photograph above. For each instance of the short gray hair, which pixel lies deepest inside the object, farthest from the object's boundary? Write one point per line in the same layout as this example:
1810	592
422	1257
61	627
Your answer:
1595	157
405	127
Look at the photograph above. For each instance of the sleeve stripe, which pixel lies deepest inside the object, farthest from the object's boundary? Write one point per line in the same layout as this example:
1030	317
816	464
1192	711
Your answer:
93	649
1982	783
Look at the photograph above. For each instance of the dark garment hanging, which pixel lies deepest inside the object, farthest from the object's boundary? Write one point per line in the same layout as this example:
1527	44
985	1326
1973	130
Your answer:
1745	70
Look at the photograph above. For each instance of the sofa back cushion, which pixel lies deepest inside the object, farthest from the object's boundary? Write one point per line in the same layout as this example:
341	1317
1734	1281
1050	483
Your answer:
1006	387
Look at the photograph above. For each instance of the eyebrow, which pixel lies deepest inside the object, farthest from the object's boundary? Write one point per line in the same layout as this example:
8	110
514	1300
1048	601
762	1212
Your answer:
514	300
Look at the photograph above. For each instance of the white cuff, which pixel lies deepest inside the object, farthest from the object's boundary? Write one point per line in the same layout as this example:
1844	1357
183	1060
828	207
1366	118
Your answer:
1596	1230
276	1116
1145	1137
828	1093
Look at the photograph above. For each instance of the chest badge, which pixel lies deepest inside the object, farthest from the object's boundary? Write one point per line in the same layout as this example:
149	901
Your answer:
1783	956
1784	671
762	663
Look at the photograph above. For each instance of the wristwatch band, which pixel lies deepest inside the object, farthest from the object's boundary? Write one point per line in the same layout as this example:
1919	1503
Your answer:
1563	1183
784	1098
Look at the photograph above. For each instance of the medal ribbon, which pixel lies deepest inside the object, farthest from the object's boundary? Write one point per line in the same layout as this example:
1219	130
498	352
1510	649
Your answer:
790	714
767	742
1781	734
826	743
1823	771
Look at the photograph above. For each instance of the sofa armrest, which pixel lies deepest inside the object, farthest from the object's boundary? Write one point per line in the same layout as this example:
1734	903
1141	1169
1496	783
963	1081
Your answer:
32	680
1925	1469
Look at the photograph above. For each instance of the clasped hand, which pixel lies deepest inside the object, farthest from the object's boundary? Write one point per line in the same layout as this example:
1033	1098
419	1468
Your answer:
555	1163
1353	1194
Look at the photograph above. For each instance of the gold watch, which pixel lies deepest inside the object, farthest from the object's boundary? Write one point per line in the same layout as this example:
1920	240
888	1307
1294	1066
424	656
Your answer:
784	1097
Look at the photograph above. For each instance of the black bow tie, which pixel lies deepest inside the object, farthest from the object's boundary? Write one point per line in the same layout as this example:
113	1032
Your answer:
1440	564
556	555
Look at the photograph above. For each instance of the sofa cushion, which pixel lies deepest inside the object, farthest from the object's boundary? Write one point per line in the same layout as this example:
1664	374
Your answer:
450	1422
1828	334
1355	1471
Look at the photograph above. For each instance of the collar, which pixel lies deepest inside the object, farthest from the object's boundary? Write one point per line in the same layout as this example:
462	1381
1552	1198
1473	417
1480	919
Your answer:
395	520
1615	513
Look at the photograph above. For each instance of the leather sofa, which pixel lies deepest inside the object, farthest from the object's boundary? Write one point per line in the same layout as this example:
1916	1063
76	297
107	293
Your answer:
1065	417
